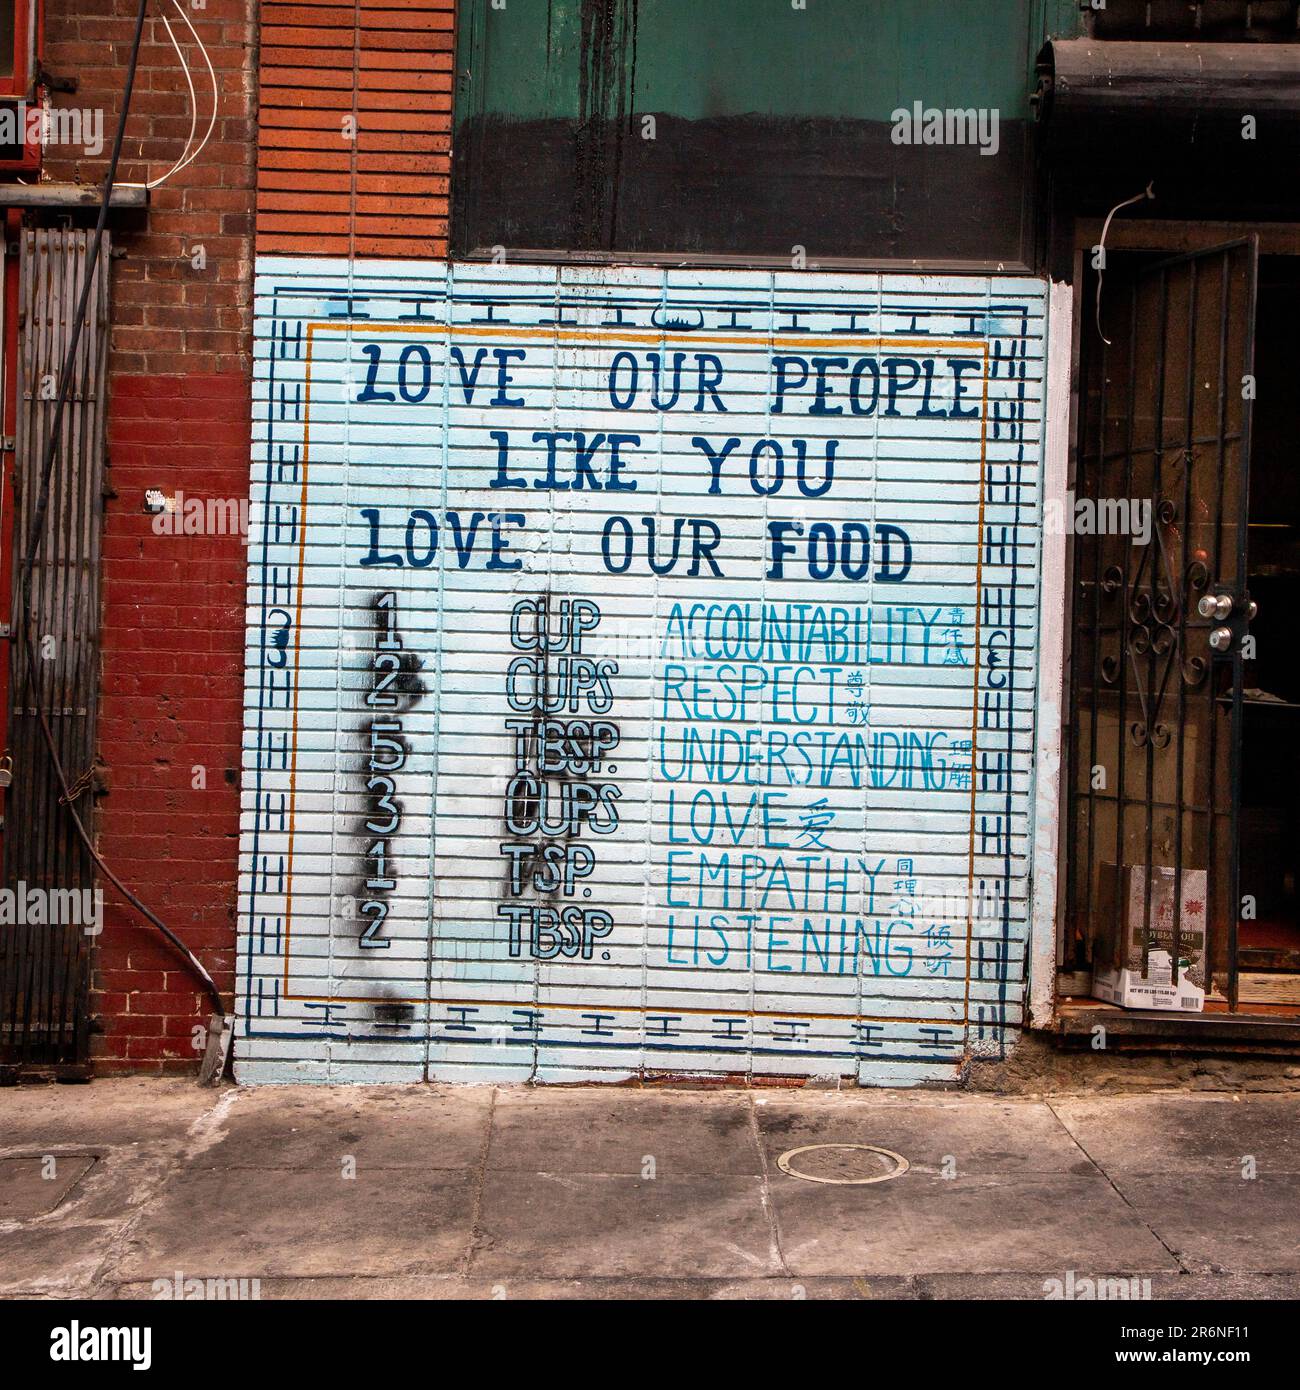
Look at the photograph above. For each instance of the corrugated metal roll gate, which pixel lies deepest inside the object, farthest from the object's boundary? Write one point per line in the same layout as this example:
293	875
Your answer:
628	691
45	964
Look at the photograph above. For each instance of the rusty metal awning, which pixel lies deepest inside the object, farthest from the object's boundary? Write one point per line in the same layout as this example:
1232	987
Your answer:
1168	96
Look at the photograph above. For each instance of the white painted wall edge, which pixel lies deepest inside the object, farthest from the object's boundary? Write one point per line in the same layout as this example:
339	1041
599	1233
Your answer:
1048	723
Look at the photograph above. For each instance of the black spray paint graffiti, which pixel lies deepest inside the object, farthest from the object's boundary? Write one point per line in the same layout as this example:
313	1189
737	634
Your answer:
395	687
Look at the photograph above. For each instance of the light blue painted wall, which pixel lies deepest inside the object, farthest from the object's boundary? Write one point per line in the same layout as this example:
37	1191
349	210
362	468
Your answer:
797	901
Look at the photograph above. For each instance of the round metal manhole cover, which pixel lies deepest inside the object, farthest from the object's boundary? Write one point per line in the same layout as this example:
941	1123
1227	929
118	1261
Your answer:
850	1164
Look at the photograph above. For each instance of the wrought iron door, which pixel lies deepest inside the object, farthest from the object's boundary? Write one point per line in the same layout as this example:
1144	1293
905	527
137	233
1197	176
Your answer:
1159	620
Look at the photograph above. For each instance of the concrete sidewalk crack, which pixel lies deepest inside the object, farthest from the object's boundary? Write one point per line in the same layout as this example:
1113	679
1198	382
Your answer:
480	1182
776	1254
1183	1267
203	1132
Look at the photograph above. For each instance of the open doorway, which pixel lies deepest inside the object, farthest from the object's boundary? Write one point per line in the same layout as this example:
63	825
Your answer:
1269	935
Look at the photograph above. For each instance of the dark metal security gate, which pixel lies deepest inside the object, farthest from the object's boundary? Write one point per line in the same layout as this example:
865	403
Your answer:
45	964
1156	663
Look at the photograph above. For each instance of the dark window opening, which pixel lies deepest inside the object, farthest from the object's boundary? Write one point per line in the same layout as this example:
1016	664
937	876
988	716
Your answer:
7	33
1195	21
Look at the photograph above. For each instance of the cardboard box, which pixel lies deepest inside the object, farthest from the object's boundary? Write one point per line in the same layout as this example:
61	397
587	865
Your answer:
1129	990
1117	965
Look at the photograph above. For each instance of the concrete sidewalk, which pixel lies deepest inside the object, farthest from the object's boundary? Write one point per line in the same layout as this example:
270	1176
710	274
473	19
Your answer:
431	1191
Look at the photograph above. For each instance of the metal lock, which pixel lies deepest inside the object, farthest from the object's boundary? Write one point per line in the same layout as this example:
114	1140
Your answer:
1216	606
6	771
1221	639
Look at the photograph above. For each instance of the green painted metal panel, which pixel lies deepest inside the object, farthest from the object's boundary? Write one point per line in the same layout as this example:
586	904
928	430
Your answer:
849	58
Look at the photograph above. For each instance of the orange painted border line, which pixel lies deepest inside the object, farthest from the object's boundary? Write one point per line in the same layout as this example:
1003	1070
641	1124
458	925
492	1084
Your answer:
601	335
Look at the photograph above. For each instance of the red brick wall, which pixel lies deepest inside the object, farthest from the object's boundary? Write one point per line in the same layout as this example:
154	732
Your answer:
355	129
179	419
179	413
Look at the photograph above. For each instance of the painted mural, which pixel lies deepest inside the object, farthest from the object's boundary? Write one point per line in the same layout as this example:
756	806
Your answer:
640	672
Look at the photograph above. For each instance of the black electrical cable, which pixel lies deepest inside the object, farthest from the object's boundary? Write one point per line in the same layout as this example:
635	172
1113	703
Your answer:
37	532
